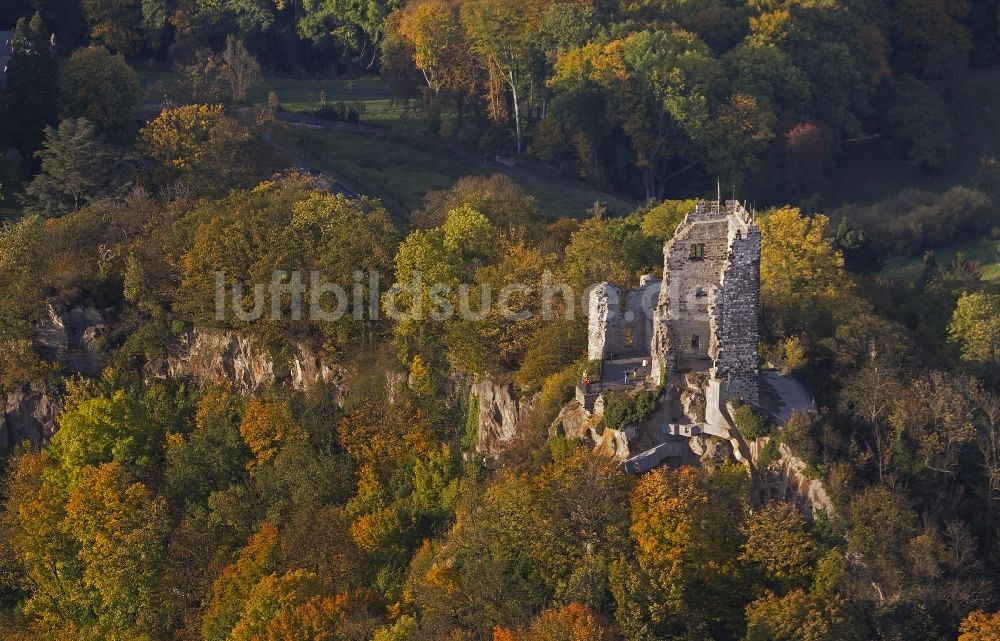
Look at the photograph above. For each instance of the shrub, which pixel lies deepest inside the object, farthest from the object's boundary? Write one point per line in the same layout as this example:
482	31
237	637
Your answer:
801	434
750	423
620	410
340	112
470	436
915	220
768	455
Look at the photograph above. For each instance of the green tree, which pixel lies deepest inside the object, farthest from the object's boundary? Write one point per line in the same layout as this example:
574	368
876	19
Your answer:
843	58
975	326
290	225
751	423
778	543
501	32
605	249
497	338
232	588
405	629
440	48
22	304
739	136
881	525
686	579
799	616
104	428
357	26
803	285
78	168
273	604
661	87
504	203
100	87
212	457
661	221
50	570
917	124
768	74
554	345
206	148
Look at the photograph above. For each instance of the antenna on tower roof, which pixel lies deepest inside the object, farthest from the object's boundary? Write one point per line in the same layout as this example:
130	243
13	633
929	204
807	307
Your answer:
718	190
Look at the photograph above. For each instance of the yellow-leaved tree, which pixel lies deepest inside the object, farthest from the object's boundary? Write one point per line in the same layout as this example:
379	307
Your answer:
803	286
266	427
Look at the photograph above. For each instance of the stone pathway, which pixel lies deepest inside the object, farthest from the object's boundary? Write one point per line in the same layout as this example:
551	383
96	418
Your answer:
613	374
791	396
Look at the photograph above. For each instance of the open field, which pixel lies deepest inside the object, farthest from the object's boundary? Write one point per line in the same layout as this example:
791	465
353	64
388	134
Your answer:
982	250
400	172
371	96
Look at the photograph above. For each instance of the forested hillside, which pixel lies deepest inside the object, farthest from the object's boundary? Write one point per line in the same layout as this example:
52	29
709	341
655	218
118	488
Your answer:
176	467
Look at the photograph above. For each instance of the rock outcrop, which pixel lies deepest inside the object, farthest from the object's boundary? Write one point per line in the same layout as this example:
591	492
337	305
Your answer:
499	413
70	338
28	414
785	479
213	356
575	422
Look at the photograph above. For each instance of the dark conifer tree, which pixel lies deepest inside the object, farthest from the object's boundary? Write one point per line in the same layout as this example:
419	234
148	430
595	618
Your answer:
32	92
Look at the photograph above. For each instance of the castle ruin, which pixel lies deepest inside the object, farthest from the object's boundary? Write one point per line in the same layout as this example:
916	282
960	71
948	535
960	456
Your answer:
706	319
698	325
617	329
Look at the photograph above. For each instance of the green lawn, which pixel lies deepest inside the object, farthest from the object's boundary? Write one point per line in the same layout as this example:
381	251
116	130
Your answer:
400	172
370	95
983	250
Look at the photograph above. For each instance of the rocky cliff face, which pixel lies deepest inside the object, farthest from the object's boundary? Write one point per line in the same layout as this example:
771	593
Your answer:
28	414
785	479
213	356
577	423
70	338
499	412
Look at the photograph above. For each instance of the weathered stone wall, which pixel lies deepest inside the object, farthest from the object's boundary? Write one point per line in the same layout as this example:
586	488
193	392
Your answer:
707	314
735	314
614	327
605	324
640	306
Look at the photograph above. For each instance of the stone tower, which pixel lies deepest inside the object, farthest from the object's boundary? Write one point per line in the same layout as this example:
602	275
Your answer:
707	315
